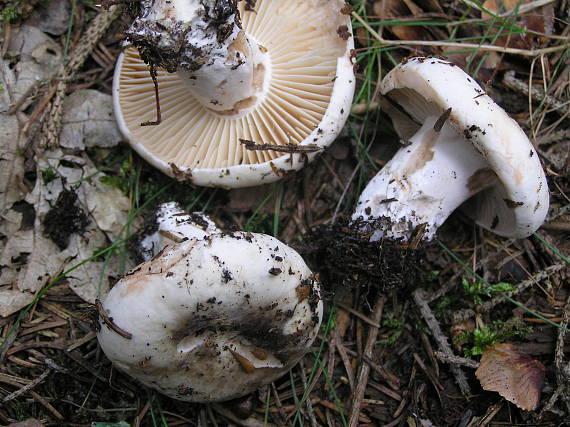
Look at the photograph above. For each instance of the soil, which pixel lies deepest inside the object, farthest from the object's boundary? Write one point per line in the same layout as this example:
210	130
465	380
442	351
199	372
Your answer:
64	219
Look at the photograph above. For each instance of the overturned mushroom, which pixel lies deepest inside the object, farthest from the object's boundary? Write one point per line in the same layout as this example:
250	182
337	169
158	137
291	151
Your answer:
459	146
232	84
213	317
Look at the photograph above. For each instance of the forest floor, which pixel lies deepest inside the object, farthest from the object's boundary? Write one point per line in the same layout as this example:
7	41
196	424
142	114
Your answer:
404	333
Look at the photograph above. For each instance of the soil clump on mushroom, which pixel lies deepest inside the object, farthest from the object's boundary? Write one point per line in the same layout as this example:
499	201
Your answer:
345	257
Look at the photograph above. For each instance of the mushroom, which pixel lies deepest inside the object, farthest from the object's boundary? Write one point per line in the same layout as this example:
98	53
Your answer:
459	148
246	96
213	317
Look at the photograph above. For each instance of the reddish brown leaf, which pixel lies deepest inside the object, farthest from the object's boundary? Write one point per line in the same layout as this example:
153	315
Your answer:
513	374
540	20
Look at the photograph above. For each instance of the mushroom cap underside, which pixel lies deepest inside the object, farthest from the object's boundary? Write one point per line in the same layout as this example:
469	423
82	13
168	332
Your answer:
422	87
213	319
307	102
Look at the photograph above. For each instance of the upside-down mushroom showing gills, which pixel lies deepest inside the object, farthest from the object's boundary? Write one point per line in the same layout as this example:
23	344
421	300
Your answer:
232	84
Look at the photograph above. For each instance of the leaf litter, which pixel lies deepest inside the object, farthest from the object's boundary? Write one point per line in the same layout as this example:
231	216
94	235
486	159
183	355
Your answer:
405	370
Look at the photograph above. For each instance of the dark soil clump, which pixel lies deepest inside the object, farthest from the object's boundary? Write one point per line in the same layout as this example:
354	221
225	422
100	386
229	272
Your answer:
344	256
64	219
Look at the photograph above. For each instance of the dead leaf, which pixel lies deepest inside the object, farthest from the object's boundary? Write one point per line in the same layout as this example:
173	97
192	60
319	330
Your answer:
11	164
89	121
12	300
540	20
513	374
402	9
30	258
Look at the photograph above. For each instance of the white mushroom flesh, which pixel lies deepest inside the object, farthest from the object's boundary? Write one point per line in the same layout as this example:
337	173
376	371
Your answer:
215	318
424	182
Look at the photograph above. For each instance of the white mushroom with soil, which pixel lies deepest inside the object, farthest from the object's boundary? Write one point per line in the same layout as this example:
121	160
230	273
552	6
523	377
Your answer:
459	148
246	96
213	317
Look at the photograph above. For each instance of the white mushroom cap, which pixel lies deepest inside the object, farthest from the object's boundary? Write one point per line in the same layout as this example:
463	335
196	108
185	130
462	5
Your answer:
478	153
214	318
308	88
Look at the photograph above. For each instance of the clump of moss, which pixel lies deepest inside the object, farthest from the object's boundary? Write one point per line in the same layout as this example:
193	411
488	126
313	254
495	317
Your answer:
14	10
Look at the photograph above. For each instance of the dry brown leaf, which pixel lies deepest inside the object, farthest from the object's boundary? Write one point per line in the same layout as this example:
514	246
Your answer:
539	20
513	374
396	9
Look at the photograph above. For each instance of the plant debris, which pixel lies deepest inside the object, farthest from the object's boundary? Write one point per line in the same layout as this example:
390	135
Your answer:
513	374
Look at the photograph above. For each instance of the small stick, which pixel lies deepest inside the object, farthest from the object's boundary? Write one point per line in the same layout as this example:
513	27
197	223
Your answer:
152	71
364	369
308	402
456	360
288	148
47	405
28	386
427	314
109	321
358	314
561	380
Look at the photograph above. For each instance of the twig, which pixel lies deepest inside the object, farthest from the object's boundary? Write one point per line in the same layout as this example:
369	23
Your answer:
336	342
358	314
556	226
465	314
288	148
152	71
562	379
109	321
456	360
28	386
308	402
391	379
433	324
343	195
364	369
443	44
551	102
47	405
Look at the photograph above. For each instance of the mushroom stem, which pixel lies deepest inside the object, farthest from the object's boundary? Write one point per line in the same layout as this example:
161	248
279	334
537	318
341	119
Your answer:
424	182
224	68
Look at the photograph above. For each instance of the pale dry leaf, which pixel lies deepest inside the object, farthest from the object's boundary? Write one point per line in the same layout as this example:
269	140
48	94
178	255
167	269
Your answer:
13	300
39	56
31	256
11	163
108	206
89	121
513	374
51	17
